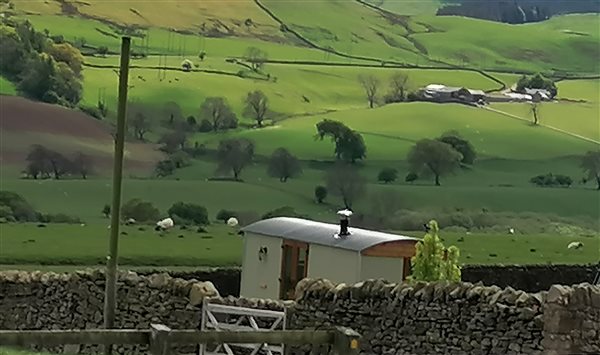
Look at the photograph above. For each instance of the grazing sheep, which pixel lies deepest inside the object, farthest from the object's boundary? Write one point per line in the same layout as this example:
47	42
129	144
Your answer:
232	222
575	245
130	221
511	231
164	224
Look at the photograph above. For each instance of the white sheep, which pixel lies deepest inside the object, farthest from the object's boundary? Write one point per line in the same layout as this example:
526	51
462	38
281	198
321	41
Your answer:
575	245
511	231
164	224
232	222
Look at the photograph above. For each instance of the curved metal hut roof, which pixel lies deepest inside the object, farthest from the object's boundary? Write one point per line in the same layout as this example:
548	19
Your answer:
313	232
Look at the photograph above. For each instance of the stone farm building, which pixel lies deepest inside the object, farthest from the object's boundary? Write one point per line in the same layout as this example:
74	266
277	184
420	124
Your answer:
279	252
442	93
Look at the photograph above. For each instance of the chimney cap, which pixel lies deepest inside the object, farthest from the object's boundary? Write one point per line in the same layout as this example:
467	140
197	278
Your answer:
345	213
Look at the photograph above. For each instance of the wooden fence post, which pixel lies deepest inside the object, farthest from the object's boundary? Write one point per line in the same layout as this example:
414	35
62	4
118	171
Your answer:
346	341
159	339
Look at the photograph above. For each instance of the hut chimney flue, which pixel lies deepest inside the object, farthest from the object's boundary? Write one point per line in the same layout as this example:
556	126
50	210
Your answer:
344	222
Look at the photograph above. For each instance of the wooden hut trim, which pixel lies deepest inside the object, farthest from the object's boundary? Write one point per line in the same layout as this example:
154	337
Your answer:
394	249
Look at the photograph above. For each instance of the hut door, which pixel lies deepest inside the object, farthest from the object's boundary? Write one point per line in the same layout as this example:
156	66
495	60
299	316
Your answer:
294	267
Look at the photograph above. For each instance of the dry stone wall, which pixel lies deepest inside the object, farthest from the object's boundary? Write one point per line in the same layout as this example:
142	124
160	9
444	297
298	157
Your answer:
572	320
434	318
75	301
419	318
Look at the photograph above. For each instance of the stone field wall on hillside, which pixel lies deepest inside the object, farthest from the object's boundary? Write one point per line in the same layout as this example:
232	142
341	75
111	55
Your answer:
530	278
76	301
419	318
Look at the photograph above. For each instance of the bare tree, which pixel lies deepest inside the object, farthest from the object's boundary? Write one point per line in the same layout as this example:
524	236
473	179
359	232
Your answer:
283	165
535	111
140	125
37	162
216	110
60	164
257	106
173	141
82	164
256	56
343	180
398	87
234	155
370	85
172	111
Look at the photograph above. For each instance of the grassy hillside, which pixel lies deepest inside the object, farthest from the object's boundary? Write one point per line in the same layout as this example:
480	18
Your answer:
577	118
26	122
206	16
7	87
390	131
532	47
76	245
287	94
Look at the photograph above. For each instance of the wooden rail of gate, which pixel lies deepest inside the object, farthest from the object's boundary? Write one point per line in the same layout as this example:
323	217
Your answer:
161	338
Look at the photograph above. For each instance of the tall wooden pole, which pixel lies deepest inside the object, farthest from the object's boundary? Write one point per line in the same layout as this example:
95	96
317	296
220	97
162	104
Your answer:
110	293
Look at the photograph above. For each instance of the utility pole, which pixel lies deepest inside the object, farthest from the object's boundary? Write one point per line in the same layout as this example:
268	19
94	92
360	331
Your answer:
110	292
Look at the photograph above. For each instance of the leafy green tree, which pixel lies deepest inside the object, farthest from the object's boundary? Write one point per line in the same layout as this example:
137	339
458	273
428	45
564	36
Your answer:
37	78
433	156
283	165
461	145
590	163
65	53
387	175
432	262
349	144
320	193
12	52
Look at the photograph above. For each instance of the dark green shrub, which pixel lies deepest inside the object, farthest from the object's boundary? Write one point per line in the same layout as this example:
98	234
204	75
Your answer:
224	215
193	213
285	211
410	177
205	126
21	210
141	211
59	218
320	193
387	175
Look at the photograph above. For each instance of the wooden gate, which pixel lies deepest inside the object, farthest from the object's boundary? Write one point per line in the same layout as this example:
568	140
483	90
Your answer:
230	318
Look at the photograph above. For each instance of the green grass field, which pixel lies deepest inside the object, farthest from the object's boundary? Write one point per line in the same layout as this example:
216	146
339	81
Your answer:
342	91
7	87
221	246
578	118
510	151
588	90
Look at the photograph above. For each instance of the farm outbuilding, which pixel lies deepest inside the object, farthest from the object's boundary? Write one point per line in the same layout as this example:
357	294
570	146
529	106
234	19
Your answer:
281	251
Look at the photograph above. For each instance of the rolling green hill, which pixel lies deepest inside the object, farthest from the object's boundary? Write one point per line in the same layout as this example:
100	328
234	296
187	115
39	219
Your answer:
316	52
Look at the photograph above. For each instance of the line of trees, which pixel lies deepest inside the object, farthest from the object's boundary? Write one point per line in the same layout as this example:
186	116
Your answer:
44	163
43	69
398	89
